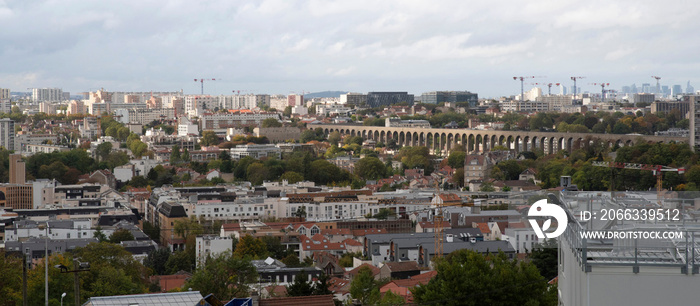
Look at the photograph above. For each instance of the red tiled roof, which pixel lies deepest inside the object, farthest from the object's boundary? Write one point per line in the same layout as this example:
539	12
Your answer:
352	242
484	228
312	300
338	285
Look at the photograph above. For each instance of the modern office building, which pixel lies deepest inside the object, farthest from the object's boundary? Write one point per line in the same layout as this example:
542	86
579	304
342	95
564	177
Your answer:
667	106
435	97
376	99
353	98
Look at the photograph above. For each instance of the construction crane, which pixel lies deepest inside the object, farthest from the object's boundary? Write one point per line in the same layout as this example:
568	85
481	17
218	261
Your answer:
549	86
437	220
657	170
202	82
522	88
658	86
602	91
574	78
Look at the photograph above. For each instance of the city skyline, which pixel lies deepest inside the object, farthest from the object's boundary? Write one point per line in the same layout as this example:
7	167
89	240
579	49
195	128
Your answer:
283	47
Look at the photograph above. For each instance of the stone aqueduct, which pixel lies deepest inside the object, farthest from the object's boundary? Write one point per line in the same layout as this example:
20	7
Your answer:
481	141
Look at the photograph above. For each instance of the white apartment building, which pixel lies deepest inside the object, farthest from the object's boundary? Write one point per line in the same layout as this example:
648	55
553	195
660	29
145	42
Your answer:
226	120
211	246
186	127
196	104
47	94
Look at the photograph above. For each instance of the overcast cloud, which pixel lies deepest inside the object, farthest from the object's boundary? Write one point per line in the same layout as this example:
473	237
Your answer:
283	46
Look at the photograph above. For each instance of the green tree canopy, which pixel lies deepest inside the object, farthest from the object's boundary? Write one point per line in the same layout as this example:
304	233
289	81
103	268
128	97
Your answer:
469	278
225	276
370	168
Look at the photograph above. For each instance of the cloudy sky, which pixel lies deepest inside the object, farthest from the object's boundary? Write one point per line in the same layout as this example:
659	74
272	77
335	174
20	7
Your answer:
283	46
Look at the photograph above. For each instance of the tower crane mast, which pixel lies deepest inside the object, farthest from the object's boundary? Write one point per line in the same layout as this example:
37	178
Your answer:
574	78
202	82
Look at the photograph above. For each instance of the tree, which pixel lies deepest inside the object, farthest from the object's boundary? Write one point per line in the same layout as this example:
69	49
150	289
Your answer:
458	177
334	138
466	277
99	235
384	213
250	247
300	212
185	155
544	257
103	149
370	168
179	261
226	276
271	123
391	298
364	287
10	287
321	286
300	286
292	177
121	235
113	270
156	261
209	138
256	173
287	111
456	159
174	155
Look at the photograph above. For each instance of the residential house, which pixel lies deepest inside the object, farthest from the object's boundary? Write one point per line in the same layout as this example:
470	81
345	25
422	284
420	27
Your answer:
399	270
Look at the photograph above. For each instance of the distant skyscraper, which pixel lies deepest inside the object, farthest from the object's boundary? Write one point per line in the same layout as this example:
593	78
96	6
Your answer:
646	88
677	90
689	89
633	89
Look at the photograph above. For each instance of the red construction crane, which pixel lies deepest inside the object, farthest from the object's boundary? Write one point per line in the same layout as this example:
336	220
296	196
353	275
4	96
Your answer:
658	86
574	78
602	86
657	170
202	81
549	86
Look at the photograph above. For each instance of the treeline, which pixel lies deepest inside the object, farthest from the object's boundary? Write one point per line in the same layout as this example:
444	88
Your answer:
578	165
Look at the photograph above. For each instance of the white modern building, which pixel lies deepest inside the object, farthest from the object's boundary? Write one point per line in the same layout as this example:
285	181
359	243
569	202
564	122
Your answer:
211	246
255	151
